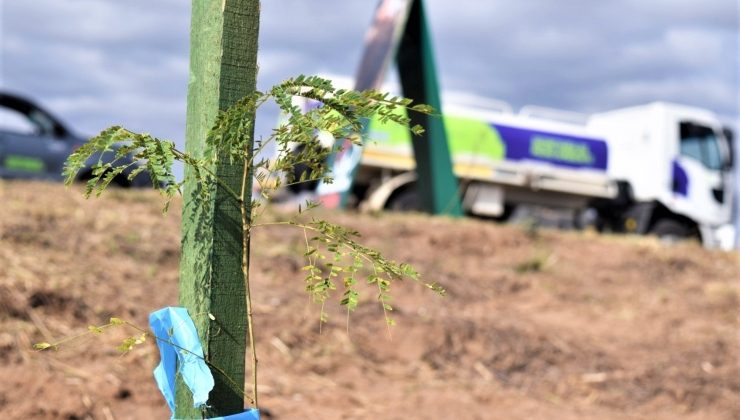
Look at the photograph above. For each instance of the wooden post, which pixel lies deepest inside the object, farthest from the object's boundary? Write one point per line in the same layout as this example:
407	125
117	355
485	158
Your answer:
436	181
223	69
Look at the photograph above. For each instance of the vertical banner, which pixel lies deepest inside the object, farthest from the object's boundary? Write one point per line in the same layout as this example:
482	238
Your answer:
381	43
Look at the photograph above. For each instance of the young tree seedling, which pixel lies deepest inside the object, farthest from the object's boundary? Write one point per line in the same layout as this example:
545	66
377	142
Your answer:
335	258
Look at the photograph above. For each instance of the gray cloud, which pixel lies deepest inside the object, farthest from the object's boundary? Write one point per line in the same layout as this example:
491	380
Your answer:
99	62
559	53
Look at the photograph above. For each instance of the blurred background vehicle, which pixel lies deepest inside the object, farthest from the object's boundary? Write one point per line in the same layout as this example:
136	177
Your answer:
662	168
34	144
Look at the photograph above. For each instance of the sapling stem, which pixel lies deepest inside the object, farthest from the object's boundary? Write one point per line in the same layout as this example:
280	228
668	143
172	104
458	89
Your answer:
246	227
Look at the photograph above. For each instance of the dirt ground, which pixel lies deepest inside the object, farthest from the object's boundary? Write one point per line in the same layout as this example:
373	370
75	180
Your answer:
535	325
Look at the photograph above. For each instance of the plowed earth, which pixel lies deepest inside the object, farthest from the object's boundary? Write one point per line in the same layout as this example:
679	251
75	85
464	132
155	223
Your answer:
535	325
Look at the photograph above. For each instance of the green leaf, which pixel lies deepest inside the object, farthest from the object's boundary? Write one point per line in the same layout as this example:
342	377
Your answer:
422	108
43	346
417	130
116	321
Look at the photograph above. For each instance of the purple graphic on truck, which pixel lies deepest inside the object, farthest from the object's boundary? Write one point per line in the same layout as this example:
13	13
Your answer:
555	148
680	179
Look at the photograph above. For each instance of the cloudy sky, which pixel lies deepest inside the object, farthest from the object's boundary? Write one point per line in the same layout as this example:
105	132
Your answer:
99	62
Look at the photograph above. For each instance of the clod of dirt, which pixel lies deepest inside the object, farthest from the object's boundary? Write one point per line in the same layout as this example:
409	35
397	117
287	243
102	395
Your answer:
52	301
123	394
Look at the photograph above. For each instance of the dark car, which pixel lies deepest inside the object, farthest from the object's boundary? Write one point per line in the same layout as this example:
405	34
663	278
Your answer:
34	144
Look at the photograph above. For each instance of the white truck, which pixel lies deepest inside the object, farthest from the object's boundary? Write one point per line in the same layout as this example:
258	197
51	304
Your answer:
659	168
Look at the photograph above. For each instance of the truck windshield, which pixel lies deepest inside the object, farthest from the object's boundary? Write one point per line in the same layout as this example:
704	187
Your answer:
700	143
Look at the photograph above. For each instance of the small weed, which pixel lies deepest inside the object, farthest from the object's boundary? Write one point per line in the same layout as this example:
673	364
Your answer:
535	264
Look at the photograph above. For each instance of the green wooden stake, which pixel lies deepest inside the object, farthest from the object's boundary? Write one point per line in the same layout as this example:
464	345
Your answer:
223	69
438	189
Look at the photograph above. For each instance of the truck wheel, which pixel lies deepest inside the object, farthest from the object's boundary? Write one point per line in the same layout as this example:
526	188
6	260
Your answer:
670	230
405	200
122	181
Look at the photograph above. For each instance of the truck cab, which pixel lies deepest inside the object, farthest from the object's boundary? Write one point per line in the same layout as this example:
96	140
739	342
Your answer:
675	164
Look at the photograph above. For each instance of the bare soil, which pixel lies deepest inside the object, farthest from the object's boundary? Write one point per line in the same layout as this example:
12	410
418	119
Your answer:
536	324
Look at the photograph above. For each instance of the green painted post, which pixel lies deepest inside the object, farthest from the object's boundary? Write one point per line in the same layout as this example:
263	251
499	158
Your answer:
438	188
223	69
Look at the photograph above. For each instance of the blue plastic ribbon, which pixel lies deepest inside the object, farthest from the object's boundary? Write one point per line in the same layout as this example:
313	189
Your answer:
180	350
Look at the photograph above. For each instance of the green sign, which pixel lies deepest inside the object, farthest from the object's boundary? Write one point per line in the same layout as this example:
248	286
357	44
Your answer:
24	163
559	149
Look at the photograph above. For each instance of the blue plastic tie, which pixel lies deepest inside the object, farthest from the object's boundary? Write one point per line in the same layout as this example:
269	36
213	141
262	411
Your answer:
180	350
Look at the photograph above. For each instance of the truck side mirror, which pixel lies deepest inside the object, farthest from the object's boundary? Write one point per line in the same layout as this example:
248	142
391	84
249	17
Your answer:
730	137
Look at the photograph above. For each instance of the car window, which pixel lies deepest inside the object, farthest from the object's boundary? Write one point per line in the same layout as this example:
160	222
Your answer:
700	142
16	122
